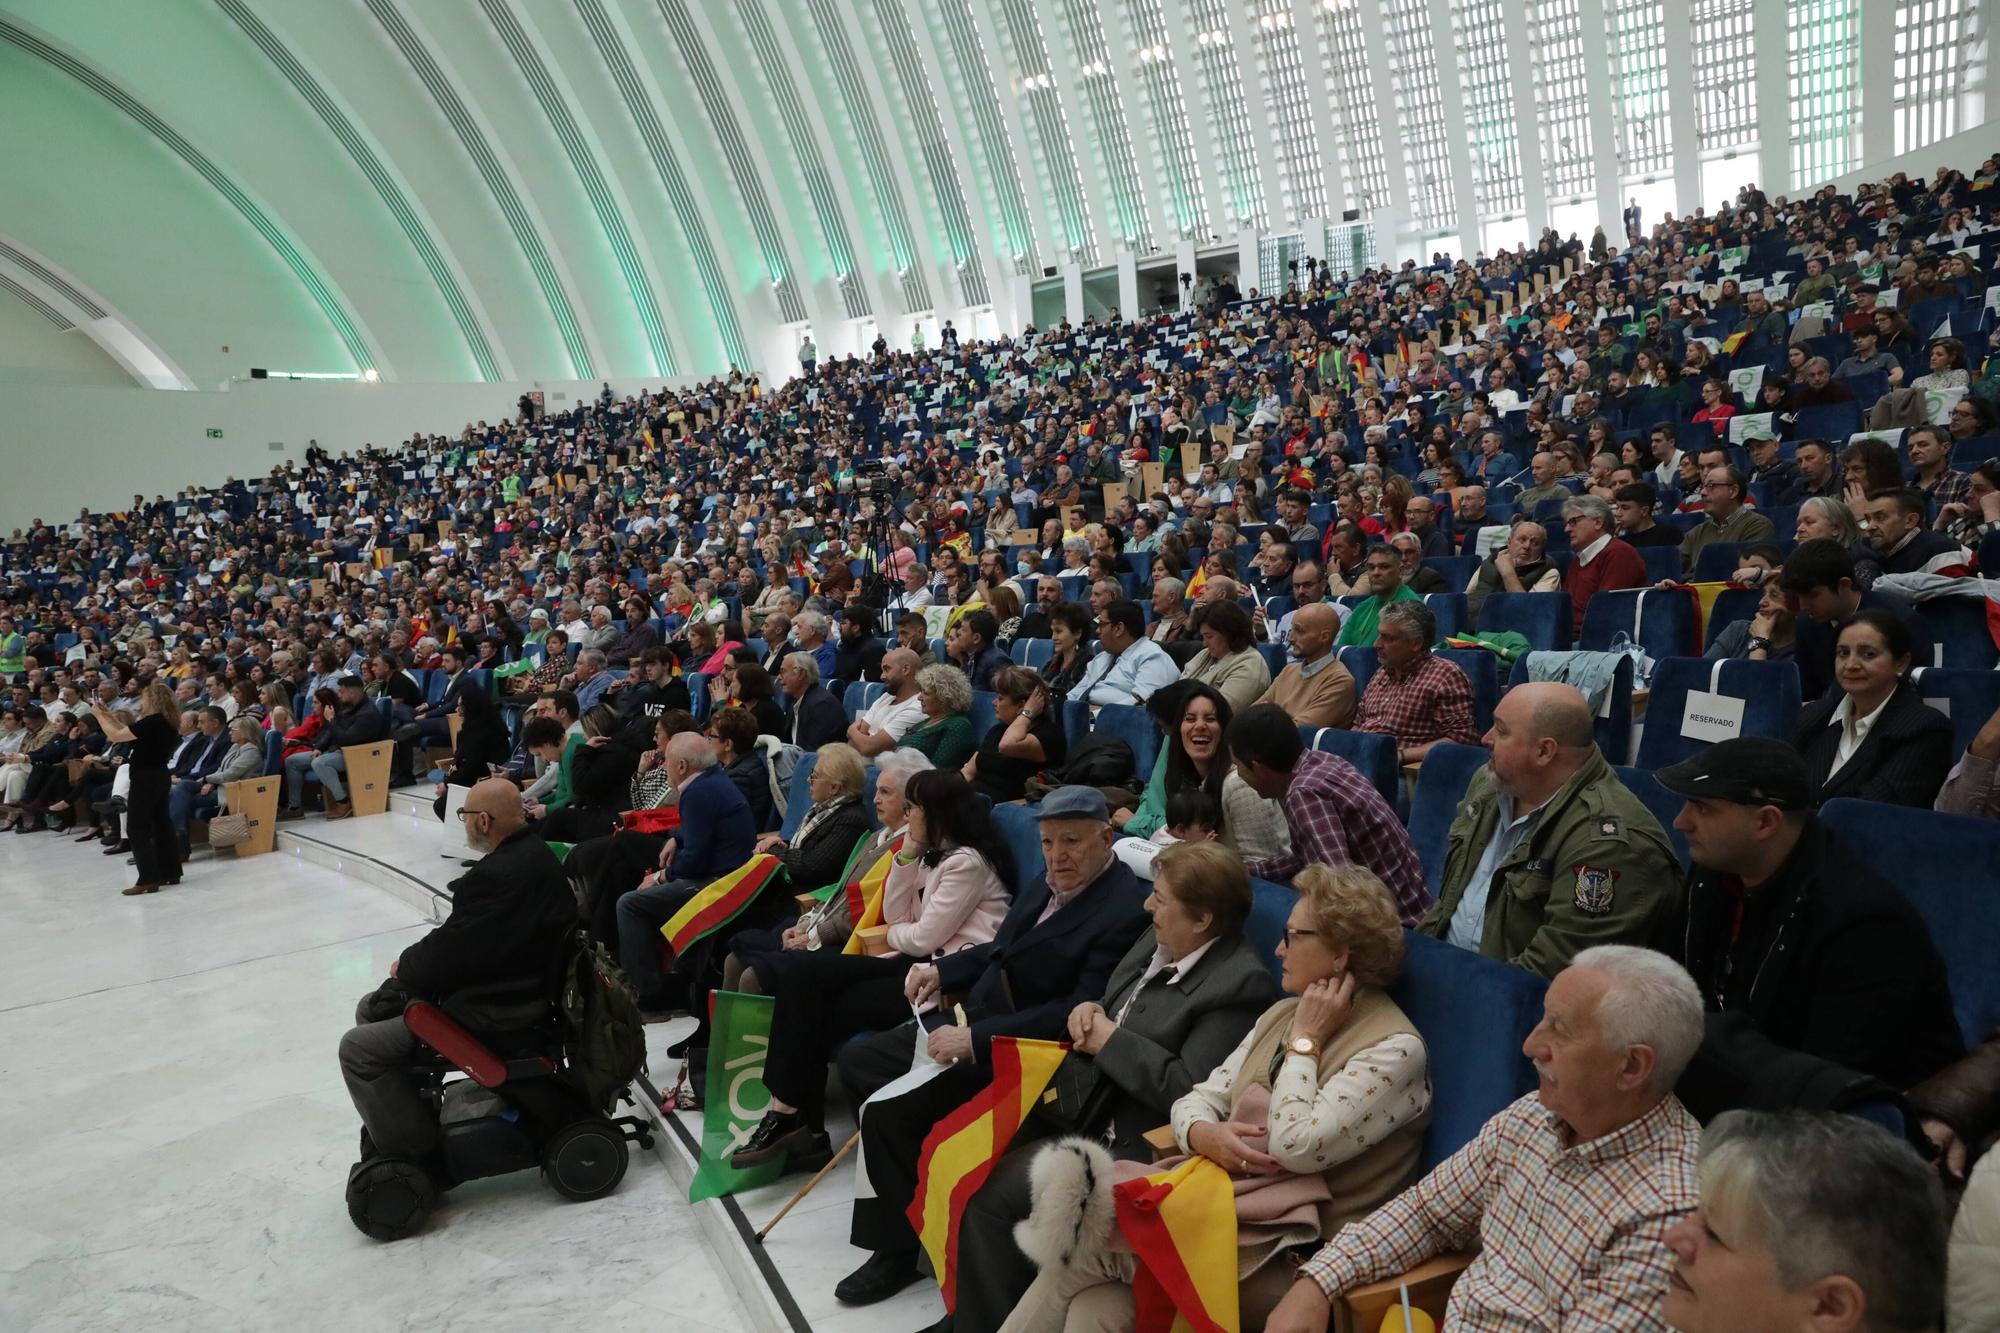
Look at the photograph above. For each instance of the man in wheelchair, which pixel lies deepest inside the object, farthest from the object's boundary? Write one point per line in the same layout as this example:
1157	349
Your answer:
491	968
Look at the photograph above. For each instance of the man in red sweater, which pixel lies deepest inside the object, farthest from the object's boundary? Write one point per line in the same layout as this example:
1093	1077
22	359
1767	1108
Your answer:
1603	563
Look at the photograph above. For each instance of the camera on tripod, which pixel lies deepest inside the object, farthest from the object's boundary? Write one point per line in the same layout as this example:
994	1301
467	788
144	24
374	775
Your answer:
871	477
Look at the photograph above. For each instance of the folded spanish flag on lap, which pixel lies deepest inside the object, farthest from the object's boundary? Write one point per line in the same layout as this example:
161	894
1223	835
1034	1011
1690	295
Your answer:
720	903
1181	1225
960	1151
864	897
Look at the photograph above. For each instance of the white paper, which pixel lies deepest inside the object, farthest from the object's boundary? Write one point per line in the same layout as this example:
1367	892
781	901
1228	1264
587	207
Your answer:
1711	717
1740	427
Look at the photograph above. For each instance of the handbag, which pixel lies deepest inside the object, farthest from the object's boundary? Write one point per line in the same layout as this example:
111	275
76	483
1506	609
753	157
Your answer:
1078	1100
228	830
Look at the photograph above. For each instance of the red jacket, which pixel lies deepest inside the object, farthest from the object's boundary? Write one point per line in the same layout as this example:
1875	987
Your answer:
1617	566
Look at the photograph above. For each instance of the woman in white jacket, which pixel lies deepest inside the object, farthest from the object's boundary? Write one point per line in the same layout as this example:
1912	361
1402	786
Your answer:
948	890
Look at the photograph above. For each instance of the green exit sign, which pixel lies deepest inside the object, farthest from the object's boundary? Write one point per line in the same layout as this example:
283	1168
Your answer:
215	432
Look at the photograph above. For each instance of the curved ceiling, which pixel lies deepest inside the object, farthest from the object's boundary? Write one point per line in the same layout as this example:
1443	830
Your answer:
442	190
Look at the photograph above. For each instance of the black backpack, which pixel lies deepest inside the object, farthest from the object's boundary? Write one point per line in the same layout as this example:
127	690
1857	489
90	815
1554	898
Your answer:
607	1037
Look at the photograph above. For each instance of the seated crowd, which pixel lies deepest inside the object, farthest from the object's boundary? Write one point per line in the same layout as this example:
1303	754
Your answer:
625	629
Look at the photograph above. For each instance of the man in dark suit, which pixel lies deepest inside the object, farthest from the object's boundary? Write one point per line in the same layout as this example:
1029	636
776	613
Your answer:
432	724
509	913
1815	972
817	717
1063	937
1184	995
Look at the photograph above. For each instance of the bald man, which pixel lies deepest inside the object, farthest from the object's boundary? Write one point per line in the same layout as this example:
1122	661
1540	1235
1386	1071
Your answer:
1550	853
1315	689
509	914
895	711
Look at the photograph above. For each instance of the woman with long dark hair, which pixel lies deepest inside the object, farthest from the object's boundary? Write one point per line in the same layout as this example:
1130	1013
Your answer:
947	890
154	736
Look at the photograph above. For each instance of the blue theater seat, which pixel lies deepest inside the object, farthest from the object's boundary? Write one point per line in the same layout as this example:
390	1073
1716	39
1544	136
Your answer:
1441	784
1968	698
1474	1015
1666	806
1372	753
1482	672
1543	618
1661	620
1927	857
1134	726
1769	691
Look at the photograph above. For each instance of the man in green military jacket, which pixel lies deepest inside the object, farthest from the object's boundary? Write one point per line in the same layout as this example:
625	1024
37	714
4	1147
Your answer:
1550	854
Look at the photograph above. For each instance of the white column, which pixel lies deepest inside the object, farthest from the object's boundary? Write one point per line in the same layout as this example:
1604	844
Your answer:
1305	24
1681	114
1312	238
1250	74
1072	281
1187	76
1528	126
1374	28
1458	133
1248	271
941	271
1053	247
1594	22
1184	267
1121	43
1128	285
1878	84
1774	108
1092	166
999	268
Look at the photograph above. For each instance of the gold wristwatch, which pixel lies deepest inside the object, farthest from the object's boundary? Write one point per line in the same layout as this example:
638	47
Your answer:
1304	1046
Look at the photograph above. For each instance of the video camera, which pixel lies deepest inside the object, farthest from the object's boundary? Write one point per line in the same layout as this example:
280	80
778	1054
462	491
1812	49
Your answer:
871	477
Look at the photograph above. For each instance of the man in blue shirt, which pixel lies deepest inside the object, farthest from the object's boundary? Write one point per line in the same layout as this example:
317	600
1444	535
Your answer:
716	836
809	633
972	650
1131	666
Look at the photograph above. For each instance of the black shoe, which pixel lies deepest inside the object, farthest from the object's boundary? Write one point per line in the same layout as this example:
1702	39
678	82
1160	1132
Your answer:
775	1135
118	848
886	1273
941	1326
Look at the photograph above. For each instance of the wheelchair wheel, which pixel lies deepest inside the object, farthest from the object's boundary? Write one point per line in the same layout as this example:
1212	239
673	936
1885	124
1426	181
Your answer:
585	1160
389	1197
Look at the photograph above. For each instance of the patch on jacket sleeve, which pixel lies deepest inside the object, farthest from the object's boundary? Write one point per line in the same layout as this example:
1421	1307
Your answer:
1595	888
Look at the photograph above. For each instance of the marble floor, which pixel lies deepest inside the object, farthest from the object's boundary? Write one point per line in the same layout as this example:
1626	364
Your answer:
175	1138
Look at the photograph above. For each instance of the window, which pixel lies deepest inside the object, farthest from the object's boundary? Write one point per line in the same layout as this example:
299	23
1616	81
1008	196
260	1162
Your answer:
1174	139
1364	165
1426	154
1725	75
1108	124
1049	141
1639	49
1934	41
1222	80
1823	57
920	113
1489	106
1291	110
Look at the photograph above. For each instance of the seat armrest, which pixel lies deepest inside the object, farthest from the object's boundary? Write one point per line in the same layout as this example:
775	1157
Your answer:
875	941
807	903
1361	1309
1161	1141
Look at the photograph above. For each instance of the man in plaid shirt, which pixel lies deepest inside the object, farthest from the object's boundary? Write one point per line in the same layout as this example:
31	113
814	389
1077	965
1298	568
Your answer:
1415	695
1568	1194
1335	816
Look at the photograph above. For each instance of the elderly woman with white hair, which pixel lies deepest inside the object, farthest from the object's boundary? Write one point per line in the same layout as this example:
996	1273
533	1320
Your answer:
945	735
758	957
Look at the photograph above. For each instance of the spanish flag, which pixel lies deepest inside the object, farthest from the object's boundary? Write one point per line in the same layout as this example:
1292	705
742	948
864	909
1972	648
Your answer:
1197	580
959	1152
1181	1225
720	903
801	569
864	897
1734	341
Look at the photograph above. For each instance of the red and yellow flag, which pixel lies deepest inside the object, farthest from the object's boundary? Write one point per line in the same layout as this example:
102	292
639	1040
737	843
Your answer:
1181	1225
803	570
864	897
959	1152
720	903
1197	581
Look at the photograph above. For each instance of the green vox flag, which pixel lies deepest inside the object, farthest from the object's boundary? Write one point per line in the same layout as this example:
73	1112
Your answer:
736	1097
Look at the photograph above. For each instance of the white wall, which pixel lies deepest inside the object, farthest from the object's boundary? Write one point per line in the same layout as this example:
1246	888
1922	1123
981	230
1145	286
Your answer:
65	447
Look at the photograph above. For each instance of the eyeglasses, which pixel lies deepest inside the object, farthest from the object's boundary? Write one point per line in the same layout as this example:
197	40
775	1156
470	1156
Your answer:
1293	935
465	816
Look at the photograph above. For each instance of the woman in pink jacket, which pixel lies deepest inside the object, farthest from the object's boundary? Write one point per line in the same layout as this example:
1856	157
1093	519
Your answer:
947	890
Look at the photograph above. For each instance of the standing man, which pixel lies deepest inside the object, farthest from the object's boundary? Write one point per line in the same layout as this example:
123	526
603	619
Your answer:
1550	853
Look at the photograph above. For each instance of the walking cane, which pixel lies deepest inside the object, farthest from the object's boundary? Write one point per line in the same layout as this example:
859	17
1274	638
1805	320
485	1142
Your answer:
807	1188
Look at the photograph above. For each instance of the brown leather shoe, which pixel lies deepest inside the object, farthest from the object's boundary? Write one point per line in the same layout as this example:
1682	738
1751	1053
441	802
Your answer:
142	886
290	812
340	810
